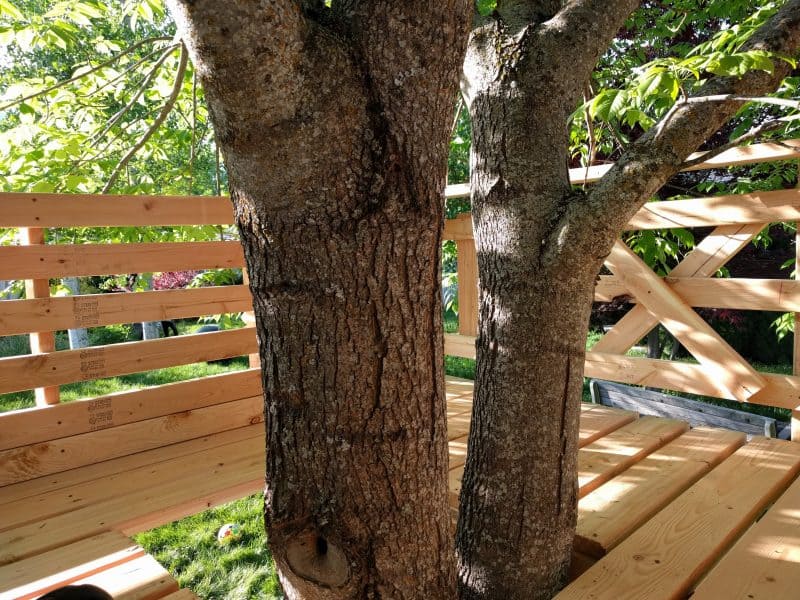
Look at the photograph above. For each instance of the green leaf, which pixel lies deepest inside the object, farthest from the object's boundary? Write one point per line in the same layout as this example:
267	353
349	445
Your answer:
8	9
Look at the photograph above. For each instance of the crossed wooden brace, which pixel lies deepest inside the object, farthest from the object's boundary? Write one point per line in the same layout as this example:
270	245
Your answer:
658	302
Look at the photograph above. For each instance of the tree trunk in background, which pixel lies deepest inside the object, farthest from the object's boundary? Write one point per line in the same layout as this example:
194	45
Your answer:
151	330
540	245
334	125
78	338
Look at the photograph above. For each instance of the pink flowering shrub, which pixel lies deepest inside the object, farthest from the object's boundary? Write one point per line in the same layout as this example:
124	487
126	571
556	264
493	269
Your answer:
173	280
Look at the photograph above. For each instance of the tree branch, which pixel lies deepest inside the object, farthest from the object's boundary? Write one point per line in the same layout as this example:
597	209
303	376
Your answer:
148	79
162	116
102	65
588	25
656	156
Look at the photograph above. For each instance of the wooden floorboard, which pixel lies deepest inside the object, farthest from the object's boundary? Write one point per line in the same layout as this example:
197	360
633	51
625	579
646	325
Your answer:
34	576
765	563
659	507
665	557
609	456
610	513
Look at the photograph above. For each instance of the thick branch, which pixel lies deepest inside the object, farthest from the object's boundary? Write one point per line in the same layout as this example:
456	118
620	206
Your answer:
239	48
658	154
587	26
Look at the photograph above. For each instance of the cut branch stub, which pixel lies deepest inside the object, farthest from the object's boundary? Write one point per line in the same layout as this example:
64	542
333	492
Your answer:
314	558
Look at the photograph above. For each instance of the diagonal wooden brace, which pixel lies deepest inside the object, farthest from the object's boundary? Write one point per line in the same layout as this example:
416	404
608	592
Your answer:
708	256
732	373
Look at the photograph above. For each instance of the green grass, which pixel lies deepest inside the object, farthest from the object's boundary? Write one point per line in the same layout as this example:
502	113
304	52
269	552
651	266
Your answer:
240	570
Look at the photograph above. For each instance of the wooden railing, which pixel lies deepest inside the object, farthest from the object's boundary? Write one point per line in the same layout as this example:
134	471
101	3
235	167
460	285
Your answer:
720	372
40	315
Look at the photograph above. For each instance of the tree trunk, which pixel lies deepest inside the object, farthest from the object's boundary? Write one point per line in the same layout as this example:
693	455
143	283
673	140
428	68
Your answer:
540	245
518	506
78	338
333	123
151	330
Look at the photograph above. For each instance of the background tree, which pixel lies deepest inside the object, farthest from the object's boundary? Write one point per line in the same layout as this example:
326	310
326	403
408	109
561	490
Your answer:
540	245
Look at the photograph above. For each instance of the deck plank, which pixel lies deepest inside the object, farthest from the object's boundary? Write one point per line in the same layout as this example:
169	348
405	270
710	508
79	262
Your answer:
610	513
140	579
668	554
142	498
763	565
603	459
609	456
42	487
598	421
34	576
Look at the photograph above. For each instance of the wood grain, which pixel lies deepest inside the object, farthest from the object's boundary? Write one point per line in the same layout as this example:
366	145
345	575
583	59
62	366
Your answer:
66	260
668	554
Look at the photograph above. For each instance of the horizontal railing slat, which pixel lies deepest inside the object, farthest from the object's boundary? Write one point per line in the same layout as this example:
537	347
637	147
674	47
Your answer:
782	391
35	425
54	456
735	157
104	210
95	310
66	260
55	368
740	294
741	209
759	207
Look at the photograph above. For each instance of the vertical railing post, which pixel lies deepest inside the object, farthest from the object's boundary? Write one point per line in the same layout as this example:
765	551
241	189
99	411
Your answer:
467	268
249	319
41	341
795	421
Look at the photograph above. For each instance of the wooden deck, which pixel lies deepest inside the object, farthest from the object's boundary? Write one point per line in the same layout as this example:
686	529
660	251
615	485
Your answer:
664	509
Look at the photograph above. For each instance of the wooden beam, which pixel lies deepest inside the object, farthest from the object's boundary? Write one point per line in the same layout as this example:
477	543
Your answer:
731	371
107	210
704	260
743	155
764	562
32	577
757	207
740	294
782	391
95	310
55	456
26	372
665	557
609	456
32	426
459	228
794	431
60	485
42	340
618	508
467	287
65	260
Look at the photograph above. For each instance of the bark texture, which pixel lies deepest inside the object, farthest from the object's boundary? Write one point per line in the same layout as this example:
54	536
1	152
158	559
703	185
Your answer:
540	245
334	123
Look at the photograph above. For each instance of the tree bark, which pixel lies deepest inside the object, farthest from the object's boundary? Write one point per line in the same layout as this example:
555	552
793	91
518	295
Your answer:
540	245
333	123
518	505
78	338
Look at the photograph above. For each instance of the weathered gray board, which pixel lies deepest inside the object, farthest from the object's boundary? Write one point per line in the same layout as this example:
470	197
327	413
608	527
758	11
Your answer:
648	402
